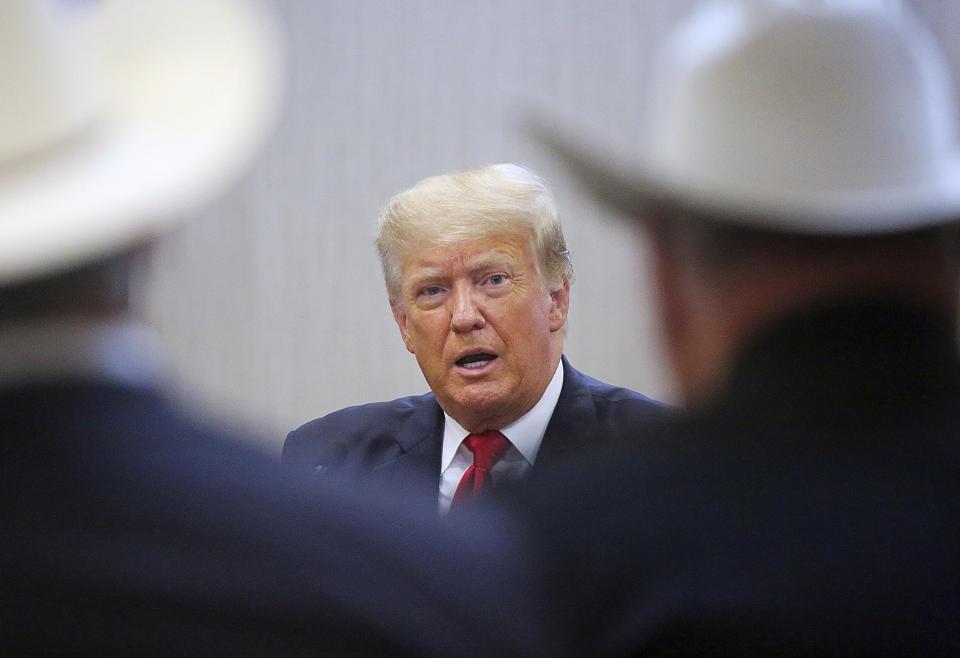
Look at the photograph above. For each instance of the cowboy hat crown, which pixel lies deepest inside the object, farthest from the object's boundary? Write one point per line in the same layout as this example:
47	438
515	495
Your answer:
118	116
813	117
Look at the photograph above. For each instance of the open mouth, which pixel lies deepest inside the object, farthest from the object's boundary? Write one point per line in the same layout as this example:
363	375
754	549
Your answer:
476	360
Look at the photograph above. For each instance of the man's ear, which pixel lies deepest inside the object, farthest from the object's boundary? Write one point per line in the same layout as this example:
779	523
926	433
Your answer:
559	306
671	305
681	313
400	316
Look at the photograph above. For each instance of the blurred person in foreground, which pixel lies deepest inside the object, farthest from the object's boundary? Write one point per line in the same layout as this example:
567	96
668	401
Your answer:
129	528
800	189
478	277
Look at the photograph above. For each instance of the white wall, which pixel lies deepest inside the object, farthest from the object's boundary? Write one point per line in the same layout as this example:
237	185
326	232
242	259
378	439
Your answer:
272	302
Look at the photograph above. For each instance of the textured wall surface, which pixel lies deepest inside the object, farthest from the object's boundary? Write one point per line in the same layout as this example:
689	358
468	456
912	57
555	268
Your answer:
272	303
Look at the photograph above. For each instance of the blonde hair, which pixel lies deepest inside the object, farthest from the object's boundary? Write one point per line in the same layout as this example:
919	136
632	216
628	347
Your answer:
496	200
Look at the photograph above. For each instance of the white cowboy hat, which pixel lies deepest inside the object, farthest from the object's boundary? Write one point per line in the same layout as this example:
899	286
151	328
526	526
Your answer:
118	116
807	117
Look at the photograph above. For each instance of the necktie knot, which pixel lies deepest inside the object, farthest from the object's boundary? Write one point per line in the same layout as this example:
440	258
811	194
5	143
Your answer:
487	448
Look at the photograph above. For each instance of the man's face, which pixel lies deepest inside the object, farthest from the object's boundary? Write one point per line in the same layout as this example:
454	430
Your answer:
485	331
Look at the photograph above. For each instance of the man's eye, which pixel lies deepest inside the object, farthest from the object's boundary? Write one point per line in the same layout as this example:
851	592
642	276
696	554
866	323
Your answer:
430	291
497	279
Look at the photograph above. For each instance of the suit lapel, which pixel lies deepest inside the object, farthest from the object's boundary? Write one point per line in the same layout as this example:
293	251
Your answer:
574	420
417	468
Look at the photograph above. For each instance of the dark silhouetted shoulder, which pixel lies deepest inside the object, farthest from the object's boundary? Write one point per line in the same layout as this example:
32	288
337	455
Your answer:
130	529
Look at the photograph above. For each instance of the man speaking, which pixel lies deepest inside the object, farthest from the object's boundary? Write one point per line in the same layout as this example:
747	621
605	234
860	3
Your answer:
478	275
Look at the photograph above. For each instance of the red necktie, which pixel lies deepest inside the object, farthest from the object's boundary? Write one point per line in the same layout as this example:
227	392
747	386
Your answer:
487	448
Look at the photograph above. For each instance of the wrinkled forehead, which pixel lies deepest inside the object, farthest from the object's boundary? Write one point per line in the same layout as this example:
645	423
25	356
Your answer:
441	253
441	232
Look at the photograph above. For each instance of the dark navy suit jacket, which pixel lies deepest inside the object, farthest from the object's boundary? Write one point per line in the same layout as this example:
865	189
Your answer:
812	508
402	440
127	528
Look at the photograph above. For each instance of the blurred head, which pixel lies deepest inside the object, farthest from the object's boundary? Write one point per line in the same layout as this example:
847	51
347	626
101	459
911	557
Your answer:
719	284
796	152
478	277
111	140
92	292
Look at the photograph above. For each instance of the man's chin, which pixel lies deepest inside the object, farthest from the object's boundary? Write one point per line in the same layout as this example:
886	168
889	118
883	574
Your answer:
480	404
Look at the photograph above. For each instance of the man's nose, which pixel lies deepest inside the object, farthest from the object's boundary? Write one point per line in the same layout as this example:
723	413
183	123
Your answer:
466	314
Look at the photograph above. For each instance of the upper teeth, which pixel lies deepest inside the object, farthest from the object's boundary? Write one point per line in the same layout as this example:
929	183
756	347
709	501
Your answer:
476	364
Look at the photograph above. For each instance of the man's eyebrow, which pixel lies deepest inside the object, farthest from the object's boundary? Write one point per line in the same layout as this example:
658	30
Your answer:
492	261
421	276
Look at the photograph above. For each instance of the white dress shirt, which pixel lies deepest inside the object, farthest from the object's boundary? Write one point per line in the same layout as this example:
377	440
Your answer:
525	435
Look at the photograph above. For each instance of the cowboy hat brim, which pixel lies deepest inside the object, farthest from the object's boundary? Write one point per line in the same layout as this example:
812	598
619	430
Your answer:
190	89
632	189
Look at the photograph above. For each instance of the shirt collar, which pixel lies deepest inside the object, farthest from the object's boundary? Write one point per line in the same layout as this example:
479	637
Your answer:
116	350
525	433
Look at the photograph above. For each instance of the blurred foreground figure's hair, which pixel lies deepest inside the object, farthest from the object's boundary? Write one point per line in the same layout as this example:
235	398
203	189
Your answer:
800	187
128	528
